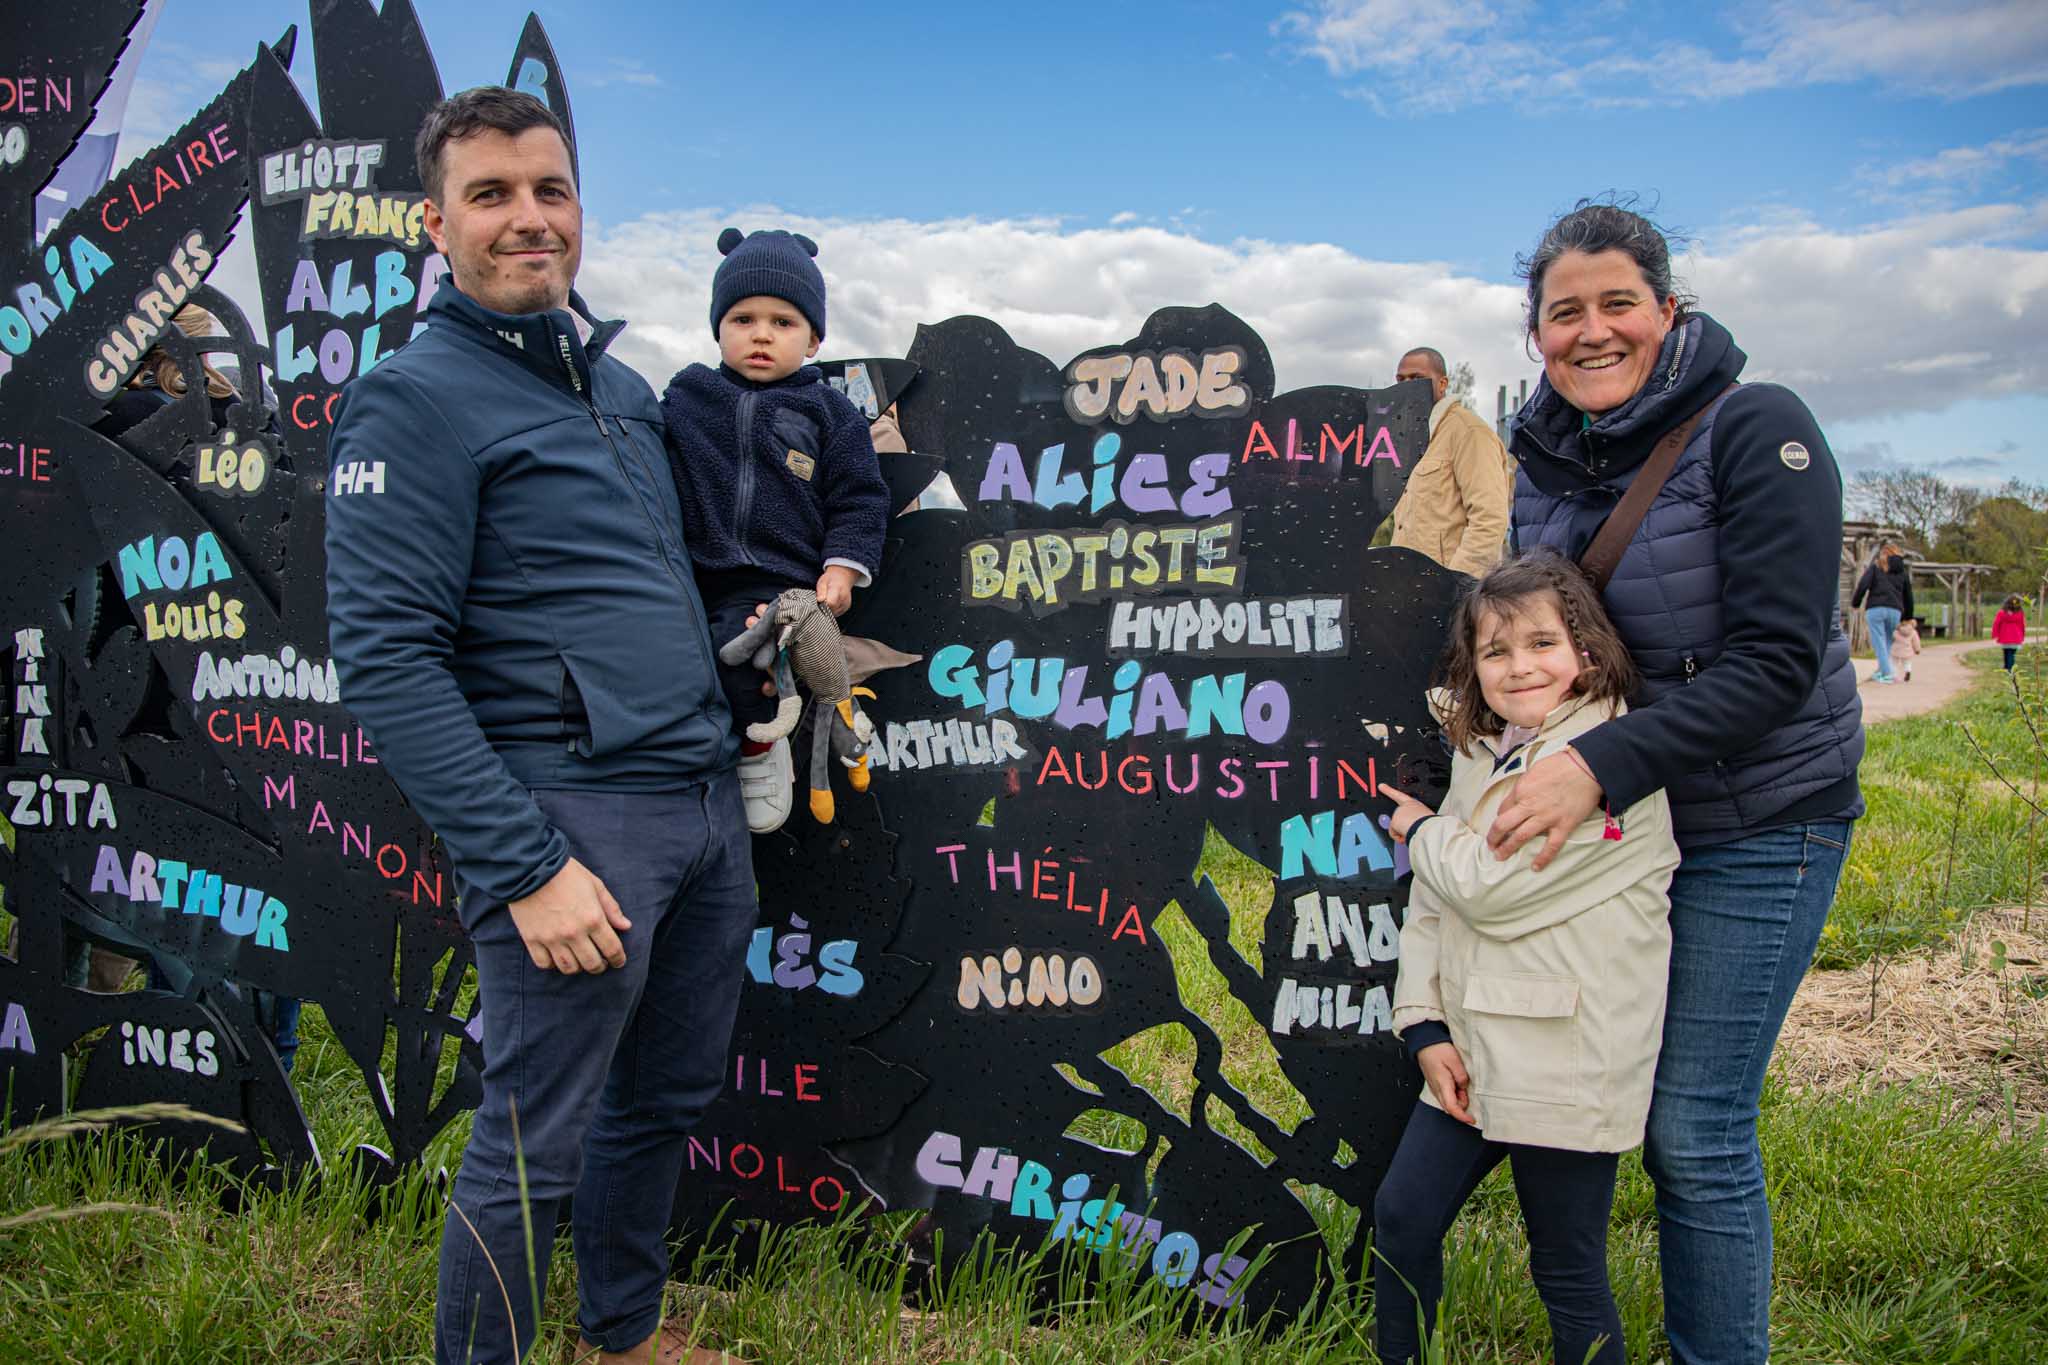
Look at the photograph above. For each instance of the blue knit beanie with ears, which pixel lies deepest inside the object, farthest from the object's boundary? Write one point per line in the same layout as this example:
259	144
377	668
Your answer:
772	262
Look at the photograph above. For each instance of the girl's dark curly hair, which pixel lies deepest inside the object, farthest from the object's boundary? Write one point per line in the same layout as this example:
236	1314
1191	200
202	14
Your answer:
1606	673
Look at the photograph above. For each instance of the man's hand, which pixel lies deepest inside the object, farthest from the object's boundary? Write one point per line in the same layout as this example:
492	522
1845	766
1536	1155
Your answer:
1549	801
572	924
1444	1069
1407	810
835	588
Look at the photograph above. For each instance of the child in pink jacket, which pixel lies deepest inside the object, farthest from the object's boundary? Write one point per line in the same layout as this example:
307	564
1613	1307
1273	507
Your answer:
1906	646
2009	628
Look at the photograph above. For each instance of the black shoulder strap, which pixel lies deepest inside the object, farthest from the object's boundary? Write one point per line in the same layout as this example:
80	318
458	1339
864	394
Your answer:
1619	529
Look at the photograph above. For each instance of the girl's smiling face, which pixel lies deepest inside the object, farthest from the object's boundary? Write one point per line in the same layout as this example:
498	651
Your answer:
1527	662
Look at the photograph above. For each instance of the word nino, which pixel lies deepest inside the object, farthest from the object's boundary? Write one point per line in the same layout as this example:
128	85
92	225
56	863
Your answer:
172	566
121	350
1141	702
170	884
336	183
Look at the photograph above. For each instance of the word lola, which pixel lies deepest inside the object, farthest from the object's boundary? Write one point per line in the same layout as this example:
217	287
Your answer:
1144	486
21	325
179	1049
1045	886
1031	566
1051	981
335	181
121	350
791	969
1260	627
171	884
51	800
1142	703
1163	386
1100	1225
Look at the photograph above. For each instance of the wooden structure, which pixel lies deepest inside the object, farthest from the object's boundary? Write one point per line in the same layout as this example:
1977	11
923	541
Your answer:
1860	540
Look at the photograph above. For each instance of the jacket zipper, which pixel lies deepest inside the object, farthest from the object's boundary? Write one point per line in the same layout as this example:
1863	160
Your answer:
743	495
1692	669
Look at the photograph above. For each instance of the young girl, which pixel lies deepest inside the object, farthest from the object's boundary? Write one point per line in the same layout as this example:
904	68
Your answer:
1533	1001
2009	628
1906	646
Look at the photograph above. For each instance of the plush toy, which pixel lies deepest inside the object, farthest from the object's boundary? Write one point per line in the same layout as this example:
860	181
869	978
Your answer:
797	640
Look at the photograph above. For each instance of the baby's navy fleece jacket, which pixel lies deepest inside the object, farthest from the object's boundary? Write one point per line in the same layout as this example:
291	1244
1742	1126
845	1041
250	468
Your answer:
776	479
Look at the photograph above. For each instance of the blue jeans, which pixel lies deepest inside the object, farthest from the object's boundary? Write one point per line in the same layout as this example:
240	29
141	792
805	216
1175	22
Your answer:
1745	918
1882	622
608	1071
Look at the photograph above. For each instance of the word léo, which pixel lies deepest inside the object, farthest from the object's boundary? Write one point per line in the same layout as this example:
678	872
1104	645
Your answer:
284	674
179	1049
15	1034
21	325
358	476
1330	446
1133	773
749	1162
791	970
803	1077
1003	982
390	860
1163	386
191	161
1318	843
51	800
31	693
339	354
1257	627
172	884
19	460
121	349
920	744
1045	886
35	93
1142	703
1144	485
1003	569
1100	1225
301	738
235	470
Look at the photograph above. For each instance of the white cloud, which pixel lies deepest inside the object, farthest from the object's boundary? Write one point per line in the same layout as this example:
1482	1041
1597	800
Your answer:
1507	51
1954	171
1913	316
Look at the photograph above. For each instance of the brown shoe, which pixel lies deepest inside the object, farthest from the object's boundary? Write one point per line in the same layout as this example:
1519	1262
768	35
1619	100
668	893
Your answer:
669	1346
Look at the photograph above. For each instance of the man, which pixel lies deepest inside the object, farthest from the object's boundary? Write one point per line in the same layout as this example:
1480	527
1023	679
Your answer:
512	616
1456	506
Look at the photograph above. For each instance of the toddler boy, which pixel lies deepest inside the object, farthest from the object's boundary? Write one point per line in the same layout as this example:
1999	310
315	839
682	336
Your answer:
779	482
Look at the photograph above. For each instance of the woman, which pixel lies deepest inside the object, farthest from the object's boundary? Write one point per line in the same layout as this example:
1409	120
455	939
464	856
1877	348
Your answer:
1747	715
1885	592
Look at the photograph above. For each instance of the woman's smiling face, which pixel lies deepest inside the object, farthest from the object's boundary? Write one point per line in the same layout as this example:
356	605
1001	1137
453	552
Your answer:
1599	328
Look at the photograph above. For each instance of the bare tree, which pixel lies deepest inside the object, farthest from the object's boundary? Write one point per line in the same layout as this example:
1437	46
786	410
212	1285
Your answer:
1917	501
1462	384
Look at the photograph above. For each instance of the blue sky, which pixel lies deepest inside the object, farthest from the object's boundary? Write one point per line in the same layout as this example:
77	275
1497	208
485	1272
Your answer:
1864	186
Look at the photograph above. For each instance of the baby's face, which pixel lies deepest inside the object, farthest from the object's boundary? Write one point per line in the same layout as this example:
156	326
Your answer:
765	338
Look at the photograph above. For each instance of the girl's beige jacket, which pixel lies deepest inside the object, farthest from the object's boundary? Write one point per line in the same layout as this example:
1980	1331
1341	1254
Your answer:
1552	982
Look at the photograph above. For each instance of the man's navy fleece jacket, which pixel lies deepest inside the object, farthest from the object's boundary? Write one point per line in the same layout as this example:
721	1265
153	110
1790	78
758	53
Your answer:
777	480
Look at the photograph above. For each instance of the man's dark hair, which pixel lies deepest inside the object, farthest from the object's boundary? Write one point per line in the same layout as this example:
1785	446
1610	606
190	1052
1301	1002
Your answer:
486	107
1436	358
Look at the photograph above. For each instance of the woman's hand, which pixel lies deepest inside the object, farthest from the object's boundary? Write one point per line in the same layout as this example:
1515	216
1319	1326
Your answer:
1549	801
1444	1069
1407	810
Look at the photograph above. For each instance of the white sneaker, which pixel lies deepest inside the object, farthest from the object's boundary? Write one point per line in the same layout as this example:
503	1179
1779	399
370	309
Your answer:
767	781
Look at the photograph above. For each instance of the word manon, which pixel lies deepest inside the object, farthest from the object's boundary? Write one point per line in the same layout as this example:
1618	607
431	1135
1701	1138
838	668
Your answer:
1001	982
1141	704
1143	486
121	350
179	1049
1255	628
172	884
919	744
1198	557
335	181
1100	1225
1328	928
1163	386
51	800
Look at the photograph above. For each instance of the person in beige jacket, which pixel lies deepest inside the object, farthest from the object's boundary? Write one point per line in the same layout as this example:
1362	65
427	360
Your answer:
1533	1001
1460	494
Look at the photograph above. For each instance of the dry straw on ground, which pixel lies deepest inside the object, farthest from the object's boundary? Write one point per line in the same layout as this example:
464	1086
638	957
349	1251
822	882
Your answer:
1951	1015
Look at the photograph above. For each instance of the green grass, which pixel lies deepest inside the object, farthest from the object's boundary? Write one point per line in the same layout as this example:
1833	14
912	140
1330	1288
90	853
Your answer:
1907	1230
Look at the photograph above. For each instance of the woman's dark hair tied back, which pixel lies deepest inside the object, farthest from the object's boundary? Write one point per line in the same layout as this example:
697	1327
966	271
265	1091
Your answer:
1596	225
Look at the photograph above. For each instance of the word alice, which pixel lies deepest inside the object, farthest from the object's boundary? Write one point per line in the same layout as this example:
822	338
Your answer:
1171	384
1044	885
284	674
21	325
179	1049
1143	486
834	973
1050	981
1143	703
1133	773
335	181
51	800
920	744
1197	556
121	349
1099	1225
1256	627
172	884
31	693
